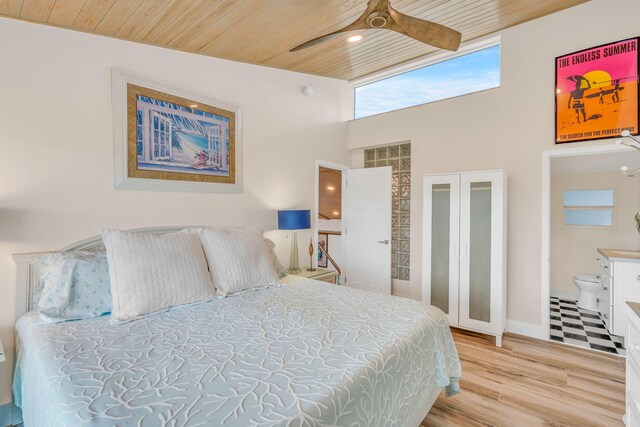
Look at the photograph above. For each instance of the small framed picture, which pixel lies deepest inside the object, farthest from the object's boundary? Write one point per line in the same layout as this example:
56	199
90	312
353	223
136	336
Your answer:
323	240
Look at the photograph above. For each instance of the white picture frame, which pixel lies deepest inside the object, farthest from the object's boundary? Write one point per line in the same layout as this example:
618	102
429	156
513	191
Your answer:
120	79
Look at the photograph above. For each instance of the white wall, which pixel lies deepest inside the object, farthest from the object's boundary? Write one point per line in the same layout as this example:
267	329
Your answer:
504	128
573	249
56	167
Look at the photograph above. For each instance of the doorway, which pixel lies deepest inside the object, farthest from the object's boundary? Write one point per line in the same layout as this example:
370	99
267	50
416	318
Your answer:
328	223
589	205
357	202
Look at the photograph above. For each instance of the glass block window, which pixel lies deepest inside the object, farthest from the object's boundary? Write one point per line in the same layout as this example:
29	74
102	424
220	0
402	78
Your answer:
399	158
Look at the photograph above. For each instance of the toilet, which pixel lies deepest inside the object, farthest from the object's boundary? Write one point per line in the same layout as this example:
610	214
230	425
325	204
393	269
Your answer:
589	287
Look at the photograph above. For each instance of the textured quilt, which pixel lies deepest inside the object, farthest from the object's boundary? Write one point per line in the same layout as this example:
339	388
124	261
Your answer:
304	354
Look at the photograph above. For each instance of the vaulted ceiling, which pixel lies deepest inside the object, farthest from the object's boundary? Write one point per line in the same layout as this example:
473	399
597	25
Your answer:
262	31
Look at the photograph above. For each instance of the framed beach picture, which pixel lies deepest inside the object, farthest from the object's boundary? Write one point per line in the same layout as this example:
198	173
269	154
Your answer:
173	140
597	92
323	240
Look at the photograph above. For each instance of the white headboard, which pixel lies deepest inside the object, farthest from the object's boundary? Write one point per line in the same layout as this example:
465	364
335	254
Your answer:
26	282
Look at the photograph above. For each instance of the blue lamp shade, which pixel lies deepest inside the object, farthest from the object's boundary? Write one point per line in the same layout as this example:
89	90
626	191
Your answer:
294	220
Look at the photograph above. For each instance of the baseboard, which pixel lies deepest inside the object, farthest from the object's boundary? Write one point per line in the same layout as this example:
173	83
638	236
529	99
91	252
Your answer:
560	293
401	288
527	329
10	415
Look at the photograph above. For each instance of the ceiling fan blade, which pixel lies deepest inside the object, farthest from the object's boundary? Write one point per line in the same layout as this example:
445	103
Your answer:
425	31
358	24
319	40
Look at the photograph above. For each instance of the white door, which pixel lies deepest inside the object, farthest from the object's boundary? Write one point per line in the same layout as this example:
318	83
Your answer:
368	229
441	262
482	204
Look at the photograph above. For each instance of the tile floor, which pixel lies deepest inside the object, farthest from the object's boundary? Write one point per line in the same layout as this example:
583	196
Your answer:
583	328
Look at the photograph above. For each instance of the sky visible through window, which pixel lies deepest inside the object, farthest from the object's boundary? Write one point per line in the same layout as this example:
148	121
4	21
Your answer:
458	76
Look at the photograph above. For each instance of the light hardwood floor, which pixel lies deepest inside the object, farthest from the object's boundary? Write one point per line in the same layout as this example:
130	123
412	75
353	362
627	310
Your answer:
529	382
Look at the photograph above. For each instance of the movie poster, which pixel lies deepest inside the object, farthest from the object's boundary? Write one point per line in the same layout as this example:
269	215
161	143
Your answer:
597	92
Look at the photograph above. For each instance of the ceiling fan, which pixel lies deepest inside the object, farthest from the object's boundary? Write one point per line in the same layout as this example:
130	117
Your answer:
380	15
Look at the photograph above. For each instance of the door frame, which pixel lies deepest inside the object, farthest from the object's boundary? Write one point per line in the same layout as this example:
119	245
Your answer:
316	203
545	259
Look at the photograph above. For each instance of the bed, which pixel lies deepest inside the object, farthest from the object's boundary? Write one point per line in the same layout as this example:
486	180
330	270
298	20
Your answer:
305	353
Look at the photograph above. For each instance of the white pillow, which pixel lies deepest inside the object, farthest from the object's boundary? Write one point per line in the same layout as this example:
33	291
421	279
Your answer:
275	262
152	272
239	259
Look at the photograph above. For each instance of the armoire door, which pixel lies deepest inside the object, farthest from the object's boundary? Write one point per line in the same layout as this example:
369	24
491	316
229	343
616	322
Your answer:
441	240
481	251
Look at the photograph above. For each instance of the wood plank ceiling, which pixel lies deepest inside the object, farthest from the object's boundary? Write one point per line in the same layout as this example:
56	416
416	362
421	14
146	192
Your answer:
262	31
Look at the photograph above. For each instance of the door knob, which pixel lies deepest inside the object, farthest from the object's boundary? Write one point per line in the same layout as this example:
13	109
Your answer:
384	242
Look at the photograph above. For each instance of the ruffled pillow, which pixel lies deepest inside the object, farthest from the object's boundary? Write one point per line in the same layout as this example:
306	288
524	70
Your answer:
73	285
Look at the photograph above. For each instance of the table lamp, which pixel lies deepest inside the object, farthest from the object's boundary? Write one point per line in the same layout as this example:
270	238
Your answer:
294	219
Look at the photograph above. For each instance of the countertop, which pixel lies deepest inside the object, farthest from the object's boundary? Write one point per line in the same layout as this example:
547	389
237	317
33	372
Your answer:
635	306
620	255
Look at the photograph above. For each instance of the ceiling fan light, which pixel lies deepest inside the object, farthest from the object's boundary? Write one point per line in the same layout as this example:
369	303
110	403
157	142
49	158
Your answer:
355	38
380	15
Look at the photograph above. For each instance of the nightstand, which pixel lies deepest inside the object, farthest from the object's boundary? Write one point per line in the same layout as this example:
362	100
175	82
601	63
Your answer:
322	274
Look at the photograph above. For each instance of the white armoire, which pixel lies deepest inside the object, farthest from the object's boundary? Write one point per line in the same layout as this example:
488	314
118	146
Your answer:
464	271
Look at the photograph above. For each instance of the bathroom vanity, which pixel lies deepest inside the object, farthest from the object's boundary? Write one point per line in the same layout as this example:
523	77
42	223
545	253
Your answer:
620	282
632	415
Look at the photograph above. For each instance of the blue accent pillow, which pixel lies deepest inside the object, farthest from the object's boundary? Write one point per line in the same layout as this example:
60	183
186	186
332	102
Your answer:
73	285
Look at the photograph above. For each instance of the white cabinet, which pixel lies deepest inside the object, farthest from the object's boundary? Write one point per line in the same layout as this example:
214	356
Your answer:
464	249
620	280
632	416
626	287
605	300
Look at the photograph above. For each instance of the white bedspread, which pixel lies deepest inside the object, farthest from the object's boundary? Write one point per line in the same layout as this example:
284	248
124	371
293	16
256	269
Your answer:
305	354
